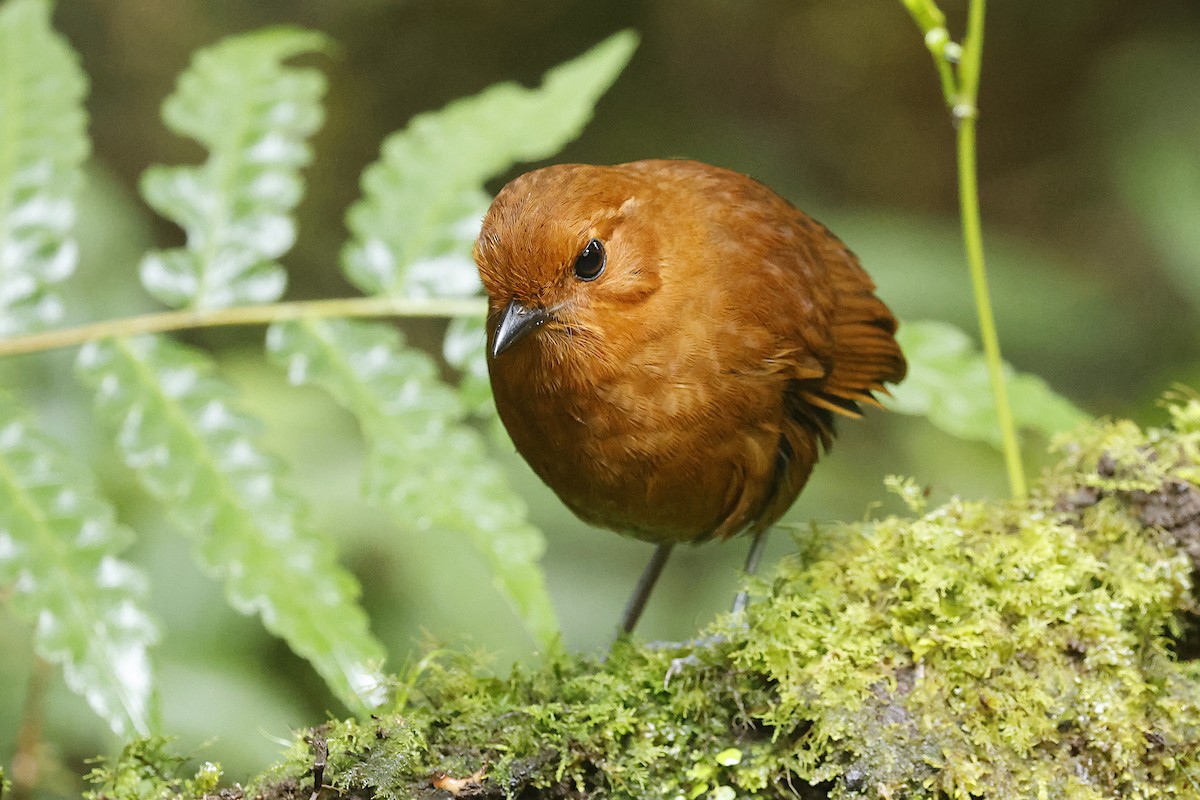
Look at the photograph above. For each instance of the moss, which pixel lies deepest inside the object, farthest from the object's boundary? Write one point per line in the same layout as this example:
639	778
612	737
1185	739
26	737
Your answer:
147	770
979	649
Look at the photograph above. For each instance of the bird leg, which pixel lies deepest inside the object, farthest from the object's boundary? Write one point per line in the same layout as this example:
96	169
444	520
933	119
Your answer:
678	665
645	585
756	550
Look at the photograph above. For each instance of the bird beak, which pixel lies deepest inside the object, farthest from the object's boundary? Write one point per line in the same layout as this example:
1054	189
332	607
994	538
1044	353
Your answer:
516	322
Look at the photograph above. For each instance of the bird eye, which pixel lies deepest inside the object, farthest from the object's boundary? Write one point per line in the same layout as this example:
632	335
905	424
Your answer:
590	262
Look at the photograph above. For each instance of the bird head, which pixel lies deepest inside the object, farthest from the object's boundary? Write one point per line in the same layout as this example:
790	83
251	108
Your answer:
563	251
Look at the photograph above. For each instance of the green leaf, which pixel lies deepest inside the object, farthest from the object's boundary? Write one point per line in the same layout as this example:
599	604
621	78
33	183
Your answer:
59	543
424	465
178	429
423	199
43	144
254	116
948	384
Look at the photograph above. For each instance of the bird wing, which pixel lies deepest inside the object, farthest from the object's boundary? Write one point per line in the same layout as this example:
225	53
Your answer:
834	338
864	354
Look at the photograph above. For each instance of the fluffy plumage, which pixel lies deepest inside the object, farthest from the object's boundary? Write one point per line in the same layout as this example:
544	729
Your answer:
686	392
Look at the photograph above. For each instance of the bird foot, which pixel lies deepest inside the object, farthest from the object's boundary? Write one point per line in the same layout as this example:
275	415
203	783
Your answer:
678	665
690	661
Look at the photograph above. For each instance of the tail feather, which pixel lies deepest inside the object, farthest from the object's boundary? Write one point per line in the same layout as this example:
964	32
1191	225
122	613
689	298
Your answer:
865	354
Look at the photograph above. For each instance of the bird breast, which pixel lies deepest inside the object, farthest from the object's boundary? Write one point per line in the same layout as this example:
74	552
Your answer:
660	437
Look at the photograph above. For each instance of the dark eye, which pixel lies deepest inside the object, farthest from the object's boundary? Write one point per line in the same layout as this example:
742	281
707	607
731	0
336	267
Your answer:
590	262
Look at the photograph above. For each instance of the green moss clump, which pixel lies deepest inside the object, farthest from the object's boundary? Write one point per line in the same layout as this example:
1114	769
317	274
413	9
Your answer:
980	649
146	769
1003	650
983	650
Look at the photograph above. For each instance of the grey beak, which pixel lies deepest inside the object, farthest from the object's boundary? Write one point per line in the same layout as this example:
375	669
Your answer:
516	322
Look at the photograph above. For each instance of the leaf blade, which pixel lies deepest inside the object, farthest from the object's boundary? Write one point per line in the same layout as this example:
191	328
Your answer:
43	144
254	115
425	465
423	198
179	429
59	546
948	384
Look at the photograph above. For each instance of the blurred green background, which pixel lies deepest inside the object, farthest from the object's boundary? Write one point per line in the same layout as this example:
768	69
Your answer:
1090	181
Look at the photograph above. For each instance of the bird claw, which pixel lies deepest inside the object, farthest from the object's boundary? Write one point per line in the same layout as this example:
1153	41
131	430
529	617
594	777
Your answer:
691	660
677	667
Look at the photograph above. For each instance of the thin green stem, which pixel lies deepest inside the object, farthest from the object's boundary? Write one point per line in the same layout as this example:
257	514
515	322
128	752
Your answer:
973	242
945	72
965	111
165	321
961	90
932	22
972	53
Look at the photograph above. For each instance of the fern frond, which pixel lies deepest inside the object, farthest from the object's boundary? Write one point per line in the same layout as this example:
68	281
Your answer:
179	430
423	199
59	548
413	228
425	465
254	116
43	144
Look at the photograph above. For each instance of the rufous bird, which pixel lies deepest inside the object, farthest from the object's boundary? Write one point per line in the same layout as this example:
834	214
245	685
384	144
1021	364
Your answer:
670	343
